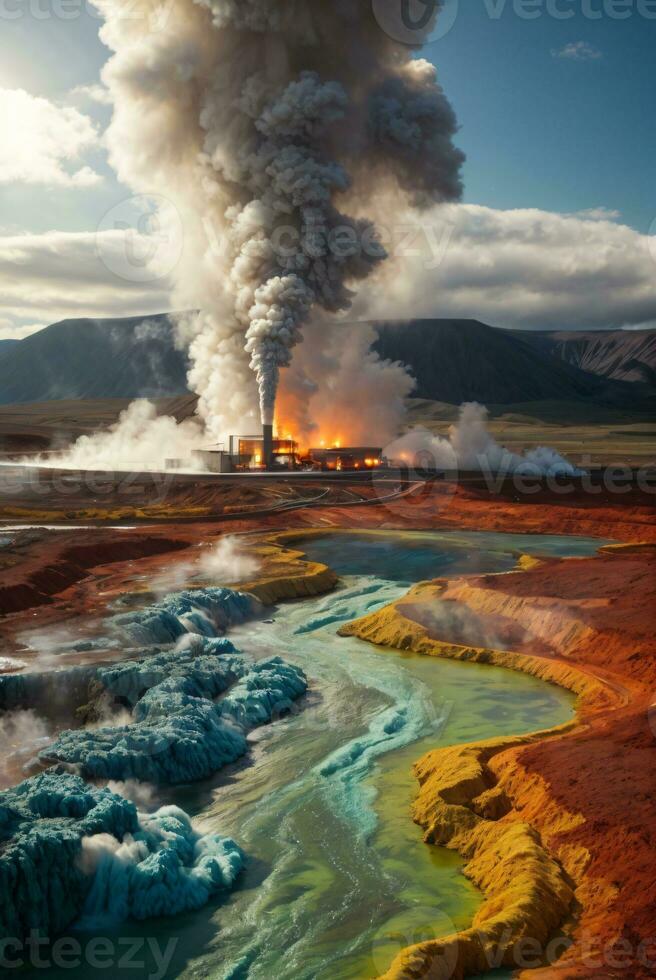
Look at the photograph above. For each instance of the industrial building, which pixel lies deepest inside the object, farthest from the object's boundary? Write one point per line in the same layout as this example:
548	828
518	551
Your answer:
214	459
264	452
348	458
247	453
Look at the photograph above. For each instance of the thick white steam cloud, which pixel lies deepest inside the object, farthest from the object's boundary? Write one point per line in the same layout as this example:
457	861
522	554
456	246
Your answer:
22	735
470	446
227	563
270	125
340	390
139	440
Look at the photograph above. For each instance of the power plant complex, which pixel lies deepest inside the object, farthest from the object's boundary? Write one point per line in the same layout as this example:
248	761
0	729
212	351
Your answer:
266	453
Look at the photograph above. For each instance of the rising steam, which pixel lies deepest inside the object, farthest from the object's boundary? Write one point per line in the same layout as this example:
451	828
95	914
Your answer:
140	439
337	366
470	446
270	125
22	735
224	562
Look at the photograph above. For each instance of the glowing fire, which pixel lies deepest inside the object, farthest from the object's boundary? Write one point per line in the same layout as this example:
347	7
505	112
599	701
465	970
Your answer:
325	439
322	439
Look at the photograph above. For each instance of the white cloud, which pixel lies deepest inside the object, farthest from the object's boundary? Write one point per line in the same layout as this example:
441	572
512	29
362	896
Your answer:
577	51
49	277
597	214
10	331
43	143
522	268
91	93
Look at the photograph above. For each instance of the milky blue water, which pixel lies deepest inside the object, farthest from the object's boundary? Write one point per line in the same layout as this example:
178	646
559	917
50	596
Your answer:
427	554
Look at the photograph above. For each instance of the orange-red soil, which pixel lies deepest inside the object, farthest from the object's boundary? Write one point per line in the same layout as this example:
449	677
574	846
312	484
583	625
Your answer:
598	613
41	565
60	571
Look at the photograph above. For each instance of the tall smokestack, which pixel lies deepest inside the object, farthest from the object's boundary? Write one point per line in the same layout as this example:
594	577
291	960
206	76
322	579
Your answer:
267	446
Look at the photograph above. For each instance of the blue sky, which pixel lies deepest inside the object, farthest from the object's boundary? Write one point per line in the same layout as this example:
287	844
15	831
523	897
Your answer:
563	134
556	118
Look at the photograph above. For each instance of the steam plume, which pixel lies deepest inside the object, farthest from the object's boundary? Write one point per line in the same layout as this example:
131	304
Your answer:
22	733
270	124
140	439
225	562
338	366
470	446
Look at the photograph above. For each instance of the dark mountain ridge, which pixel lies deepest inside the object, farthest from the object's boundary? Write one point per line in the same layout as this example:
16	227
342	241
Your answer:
6	345
465	360
110	358
452	360
625	355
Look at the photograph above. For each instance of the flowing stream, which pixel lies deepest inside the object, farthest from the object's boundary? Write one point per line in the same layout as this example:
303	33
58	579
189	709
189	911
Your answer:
339	878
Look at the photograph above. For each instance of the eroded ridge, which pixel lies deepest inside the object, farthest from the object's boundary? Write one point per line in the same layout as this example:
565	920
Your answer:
557	823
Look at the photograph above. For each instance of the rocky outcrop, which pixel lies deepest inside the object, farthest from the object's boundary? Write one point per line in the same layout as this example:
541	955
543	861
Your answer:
34	690
69	849
207	612
177	731
52	569
527	893
286	574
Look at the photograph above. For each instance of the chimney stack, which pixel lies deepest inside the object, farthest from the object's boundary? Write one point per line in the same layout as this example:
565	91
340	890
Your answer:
267	447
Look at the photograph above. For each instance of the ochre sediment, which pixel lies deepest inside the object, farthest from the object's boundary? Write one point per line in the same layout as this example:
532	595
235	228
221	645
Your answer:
556	827
285	573
527	893
391	627
462	806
